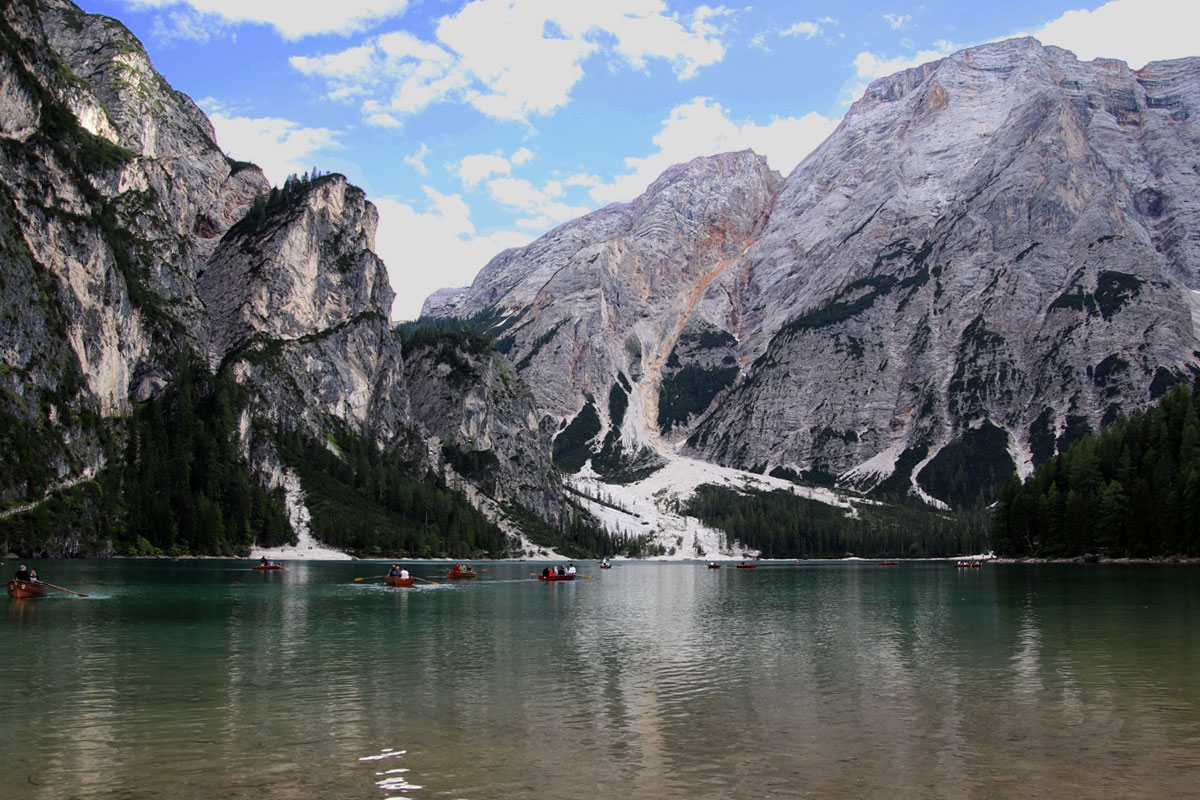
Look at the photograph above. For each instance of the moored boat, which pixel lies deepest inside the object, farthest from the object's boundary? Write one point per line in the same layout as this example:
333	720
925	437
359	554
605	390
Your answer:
21	590
396	580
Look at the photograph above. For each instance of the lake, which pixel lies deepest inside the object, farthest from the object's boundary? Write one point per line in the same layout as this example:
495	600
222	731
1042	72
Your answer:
204	679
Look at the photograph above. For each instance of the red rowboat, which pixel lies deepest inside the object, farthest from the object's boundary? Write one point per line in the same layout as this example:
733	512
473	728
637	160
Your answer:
460	574
713	565
396	580
556	577
24	589
746	565
889	563
261	567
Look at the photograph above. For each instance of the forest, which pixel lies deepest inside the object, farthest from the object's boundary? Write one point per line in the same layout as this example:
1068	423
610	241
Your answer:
780	524
1131	491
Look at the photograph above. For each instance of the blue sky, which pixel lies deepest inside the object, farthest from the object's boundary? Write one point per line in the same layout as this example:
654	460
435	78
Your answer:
477	126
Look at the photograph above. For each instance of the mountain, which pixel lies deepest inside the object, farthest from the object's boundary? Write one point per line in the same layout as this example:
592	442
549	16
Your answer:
192	359
993	254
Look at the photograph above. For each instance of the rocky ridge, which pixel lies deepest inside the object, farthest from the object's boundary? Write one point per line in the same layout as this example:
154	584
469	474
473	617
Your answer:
131	240
991	254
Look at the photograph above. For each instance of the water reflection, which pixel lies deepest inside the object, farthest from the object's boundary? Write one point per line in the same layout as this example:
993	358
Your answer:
648	681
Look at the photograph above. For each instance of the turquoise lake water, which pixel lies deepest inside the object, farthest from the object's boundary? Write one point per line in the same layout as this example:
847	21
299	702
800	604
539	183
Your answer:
205	679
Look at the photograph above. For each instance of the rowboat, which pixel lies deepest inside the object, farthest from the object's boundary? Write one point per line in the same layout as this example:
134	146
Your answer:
396	580
713	565
747	565
554	576
458	575
889	563
263	567
21	590
969	564
606	566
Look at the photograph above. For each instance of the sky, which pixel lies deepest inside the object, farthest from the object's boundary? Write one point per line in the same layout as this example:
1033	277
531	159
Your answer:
479	126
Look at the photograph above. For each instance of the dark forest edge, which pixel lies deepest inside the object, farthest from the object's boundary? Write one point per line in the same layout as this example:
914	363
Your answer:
1133	491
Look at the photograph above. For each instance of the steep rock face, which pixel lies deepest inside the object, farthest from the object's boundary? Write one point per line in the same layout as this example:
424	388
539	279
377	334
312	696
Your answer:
609	295
476	407
1004	240
129	239
993	237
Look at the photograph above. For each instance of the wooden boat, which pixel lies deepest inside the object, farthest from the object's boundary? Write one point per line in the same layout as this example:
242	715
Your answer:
264	567
461	574
21	590
396	580
747	565
606	566
889	563
554	576
713	565
969	564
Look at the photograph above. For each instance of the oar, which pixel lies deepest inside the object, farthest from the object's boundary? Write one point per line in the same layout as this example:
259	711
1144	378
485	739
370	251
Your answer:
61	589
369	578
435	583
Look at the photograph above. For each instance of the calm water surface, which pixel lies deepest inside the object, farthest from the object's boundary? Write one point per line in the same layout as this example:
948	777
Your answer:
205	679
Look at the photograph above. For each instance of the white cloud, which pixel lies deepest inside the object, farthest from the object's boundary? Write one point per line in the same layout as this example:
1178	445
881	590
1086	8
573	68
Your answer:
476	168
511	59
1134	31
702	127
281	147
897	21
417	160
293	20
433	248
806	29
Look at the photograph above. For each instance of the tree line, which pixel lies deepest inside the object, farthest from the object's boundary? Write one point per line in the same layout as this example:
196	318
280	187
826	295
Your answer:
1133	490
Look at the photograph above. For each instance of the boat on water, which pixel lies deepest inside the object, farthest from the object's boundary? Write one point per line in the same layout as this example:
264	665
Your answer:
459	572
889	563
21	590
396	580
969	564
605	565
747	565
554	576
713	565
266	567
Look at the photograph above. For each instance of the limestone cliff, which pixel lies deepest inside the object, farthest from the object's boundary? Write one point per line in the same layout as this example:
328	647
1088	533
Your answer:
992	253
133	248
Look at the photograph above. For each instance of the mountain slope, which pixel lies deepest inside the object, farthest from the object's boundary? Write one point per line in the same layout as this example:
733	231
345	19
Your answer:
992	253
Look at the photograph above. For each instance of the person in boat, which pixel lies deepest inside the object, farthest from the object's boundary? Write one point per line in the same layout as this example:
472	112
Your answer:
403	574
570	569
394	571
545	572
264	561
23	574
457	568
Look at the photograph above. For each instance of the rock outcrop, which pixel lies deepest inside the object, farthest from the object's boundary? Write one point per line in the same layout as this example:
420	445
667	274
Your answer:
132	247
994	251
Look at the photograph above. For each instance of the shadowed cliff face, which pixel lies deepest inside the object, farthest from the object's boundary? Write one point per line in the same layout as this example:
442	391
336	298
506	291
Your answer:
1002	241
129	239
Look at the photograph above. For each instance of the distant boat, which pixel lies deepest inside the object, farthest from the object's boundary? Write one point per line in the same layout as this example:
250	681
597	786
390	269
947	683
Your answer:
457	573
889	563
713	565
396	580
747	565
969	564
21	590
605	565
264	567
554	576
